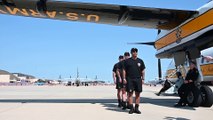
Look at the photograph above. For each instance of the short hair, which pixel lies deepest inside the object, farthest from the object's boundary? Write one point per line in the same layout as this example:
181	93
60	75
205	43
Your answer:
126	54
134	50
121	57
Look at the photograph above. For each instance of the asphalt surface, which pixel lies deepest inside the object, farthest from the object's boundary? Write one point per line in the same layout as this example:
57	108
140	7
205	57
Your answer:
92	102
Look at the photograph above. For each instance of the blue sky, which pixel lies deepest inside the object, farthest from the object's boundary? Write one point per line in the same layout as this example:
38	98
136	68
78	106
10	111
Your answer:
49	48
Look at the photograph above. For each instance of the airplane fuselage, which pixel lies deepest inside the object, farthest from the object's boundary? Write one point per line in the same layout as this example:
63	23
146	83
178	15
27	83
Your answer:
194	32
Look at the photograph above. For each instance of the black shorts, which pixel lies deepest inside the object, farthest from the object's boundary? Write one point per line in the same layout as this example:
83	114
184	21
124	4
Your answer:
124	85
118	85
134	85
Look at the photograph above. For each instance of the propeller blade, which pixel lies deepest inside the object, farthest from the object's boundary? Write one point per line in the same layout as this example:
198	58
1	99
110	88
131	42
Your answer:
159	69
144	43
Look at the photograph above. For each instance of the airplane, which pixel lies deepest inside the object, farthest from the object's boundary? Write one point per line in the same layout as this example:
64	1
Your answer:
80	81
182	34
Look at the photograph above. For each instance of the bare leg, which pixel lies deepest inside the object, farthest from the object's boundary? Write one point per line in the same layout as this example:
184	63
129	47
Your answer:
124	104
137	98
137	102
119	94
124	94
130	97
119	97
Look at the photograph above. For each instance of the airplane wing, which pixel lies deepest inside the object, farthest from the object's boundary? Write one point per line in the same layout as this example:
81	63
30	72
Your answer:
98	13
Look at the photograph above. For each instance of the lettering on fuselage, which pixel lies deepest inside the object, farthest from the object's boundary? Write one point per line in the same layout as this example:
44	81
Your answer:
73	16
207	70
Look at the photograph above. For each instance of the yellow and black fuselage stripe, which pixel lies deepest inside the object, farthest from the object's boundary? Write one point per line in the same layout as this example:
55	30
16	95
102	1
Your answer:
207	69
187	29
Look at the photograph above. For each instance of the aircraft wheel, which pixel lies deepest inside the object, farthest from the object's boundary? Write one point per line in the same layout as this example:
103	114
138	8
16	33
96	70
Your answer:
194	98
207	96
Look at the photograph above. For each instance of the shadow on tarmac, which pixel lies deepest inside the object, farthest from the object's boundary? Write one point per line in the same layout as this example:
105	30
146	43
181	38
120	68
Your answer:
92	101
144	100
110	104
112	107
164	103
174	118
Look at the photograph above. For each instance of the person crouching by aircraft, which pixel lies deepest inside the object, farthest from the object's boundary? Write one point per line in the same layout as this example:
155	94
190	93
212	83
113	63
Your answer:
117	81
191	77
168	83
120	75
134	74
166	86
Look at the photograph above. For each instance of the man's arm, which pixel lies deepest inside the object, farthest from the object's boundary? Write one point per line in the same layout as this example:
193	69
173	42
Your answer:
114	77
143	76
119	75
124	76
143	67
193	77
186	80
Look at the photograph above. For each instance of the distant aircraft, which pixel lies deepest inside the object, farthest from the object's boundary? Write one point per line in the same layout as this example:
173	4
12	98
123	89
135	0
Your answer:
156	82
182	34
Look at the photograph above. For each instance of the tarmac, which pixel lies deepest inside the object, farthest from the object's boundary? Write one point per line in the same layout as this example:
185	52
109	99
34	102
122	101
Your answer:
92	102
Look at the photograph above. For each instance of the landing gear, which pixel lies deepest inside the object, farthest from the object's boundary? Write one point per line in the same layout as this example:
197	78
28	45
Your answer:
207	96
194	98
202	96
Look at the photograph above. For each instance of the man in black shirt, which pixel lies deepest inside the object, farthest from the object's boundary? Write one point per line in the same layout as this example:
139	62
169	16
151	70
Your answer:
120	75
117	81
134	74
191	77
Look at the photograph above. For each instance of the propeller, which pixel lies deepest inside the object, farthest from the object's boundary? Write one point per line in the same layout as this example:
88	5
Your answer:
159	69
144	43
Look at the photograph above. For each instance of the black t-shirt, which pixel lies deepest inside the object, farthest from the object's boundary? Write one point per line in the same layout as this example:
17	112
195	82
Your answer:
192	75
121	64
120	67
115	67
134	67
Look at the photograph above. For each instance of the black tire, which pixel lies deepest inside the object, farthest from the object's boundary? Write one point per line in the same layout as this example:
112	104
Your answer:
207	96
194	98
